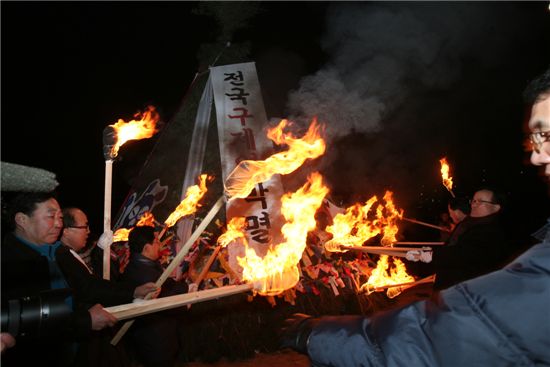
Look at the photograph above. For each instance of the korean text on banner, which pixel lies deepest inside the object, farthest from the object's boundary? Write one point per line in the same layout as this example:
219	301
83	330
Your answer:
242	126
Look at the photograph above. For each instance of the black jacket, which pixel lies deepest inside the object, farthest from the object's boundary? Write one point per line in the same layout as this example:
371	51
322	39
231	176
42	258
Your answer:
89	289
26	273
480	246
155	336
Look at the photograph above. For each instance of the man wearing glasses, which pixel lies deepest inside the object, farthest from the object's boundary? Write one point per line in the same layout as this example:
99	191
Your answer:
87	287
484	203
499	319
479	244
539	122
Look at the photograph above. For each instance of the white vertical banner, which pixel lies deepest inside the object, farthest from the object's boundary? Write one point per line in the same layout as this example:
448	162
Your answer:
242	130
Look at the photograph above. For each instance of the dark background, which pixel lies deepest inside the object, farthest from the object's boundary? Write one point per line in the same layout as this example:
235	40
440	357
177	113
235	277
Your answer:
71	68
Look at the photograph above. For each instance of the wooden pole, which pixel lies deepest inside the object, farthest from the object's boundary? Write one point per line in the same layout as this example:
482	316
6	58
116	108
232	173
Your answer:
419	243
207	266
381	248
132	310
381	252
107	217
426	224
372	288
163	231
187	246
177	260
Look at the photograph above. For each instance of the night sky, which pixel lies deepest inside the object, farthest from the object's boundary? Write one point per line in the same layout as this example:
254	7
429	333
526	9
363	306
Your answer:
399	85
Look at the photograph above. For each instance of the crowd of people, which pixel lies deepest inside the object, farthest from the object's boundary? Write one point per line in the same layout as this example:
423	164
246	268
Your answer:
472	321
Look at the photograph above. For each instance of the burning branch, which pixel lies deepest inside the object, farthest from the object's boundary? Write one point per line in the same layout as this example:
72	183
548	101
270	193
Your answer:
188	205
368	288
447	181
383	276
358	224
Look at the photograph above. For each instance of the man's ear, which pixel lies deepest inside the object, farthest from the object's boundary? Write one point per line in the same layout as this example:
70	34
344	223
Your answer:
146	248
21	219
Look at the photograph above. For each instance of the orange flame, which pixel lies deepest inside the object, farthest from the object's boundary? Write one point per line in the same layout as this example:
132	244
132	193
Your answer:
235	230
247	174
354	227
190	204
147	219
144	127
278	270
381	277
447	181
121	234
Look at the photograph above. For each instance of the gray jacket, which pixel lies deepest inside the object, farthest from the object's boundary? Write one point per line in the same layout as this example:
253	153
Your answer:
499	319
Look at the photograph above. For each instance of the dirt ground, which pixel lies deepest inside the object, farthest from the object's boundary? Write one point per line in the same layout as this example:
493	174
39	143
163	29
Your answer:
286	358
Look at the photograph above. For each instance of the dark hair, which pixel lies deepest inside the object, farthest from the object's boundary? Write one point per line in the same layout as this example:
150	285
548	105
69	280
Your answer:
460	203
68	217
139	237
537	88
499	197
26	203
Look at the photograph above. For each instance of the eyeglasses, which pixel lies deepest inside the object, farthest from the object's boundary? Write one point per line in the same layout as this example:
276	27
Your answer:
538	138
80	227
479	201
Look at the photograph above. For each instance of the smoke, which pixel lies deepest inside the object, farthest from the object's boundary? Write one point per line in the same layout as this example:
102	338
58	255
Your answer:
392	94
382	54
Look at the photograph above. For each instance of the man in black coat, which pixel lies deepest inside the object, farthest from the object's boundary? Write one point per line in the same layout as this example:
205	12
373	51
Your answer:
28	269
155	336
89	288
479	243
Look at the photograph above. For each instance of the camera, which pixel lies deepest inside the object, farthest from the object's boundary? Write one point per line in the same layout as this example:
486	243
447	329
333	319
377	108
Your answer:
37	316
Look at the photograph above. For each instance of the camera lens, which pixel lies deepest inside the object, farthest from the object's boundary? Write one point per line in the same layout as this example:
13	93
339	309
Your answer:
32	317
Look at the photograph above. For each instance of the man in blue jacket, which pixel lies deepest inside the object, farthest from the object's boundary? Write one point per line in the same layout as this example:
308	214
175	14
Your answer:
500	319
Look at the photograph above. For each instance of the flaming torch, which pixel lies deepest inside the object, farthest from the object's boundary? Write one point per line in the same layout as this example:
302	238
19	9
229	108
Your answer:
114	136
121	234
359	223
242	179
447	181
188	205
381	277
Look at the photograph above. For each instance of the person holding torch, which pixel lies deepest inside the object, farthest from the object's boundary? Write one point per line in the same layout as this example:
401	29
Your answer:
499	319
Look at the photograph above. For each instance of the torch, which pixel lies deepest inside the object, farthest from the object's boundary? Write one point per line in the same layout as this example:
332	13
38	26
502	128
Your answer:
114	136
447	180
